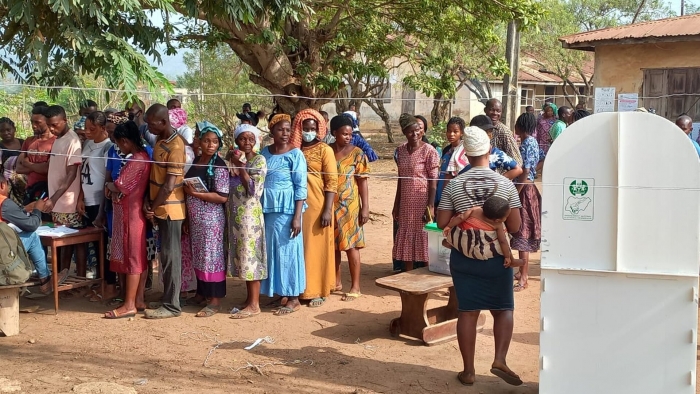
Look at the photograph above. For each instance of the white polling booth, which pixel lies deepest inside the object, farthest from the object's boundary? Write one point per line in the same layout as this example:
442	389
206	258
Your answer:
620	258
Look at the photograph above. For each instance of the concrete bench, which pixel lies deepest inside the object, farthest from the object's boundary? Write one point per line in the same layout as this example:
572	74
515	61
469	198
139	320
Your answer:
9	307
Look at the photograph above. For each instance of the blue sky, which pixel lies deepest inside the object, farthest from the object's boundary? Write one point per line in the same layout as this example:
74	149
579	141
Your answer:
172	66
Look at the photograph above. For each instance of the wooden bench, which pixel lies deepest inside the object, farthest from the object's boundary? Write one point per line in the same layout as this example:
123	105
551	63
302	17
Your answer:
9	307
432	326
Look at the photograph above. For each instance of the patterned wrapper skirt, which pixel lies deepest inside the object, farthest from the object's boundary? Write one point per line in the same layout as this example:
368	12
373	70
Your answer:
528	238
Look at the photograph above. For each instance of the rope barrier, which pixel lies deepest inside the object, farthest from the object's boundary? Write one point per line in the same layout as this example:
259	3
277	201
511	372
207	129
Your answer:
370	175
539	98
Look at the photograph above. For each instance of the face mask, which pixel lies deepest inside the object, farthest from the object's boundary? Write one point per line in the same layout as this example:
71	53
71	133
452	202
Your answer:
330	139
308	136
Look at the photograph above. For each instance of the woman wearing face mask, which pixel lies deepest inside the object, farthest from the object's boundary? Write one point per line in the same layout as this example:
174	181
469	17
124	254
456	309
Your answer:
308	130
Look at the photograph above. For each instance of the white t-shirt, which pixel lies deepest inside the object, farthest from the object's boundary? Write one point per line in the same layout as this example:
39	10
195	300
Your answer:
93	170
187	133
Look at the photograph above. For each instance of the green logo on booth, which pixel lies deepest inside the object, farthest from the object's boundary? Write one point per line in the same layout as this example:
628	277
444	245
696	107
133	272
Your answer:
578	188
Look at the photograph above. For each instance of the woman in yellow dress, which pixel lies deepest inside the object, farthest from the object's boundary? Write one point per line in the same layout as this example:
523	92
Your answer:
351	204
308	130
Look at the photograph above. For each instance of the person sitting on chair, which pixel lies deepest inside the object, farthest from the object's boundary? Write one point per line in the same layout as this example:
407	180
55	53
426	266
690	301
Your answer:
25	222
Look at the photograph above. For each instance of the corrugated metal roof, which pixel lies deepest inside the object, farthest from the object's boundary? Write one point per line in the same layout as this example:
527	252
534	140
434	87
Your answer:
531	71
685	27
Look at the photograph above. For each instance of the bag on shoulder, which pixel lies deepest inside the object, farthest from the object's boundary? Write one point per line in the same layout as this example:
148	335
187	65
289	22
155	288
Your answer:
15	266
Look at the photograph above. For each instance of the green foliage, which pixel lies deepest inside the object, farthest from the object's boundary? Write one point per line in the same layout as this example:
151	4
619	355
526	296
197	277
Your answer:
54	43
16	102
464	47
565	17
219	70
437	134
301	49
599	14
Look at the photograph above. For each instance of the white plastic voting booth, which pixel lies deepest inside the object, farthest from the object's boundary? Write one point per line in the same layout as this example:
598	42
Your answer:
620	258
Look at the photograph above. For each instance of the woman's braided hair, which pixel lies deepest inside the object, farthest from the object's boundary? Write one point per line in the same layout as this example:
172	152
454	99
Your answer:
526	123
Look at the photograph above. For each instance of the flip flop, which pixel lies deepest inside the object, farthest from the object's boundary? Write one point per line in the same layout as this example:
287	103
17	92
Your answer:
243	315
208	311
348	297
113	314
96	297
518	287
285	310
460	377
316	302
337	290
510	378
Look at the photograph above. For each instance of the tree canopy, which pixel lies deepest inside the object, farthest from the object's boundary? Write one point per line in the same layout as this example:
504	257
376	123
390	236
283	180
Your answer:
211	71
301	50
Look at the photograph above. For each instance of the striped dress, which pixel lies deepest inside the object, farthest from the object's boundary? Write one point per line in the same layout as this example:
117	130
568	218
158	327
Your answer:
348	232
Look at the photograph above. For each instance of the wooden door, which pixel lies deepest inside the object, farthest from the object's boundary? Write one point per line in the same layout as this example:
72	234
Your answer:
653	90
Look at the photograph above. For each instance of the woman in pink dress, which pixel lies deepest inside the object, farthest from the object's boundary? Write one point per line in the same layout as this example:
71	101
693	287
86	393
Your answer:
418	164
128	248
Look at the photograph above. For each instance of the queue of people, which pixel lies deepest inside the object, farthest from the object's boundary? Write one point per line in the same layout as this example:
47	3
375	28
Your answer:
278	218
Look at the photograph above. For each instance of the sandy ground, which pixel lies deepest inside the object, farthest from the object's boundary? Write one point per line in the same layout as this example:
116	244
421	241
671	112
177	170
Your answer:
342	347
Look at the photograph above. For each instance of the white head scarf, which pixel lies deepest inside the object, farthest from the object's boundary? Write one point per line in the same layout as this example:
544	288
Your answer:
476	142
246	128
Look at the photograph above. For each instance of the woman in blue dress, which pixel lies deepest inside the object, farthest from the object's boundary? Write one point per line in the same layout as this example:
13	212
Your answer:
283	203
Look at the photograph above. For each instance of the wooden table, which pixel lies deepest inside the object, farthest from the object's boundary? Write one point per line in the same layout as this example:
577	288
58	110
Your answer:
9	307
432	326
90	234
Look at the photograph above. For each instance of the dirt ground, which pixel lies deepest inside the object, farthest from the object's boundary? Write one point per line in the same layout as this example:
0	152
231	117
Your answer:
341	347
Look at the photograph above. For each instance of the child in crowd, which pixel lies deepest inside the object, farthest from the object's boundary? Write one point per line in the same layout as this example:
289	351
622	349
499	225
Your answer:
479	233
528	238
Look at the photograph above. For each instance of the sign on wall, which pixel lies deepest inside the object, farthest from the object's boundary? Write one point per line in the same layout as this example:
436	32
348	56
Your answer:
604	100
627	102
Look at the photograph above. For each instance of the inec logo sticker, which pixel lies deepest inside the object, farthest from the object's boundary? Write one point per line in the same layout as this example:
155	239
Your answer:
578	199
578	188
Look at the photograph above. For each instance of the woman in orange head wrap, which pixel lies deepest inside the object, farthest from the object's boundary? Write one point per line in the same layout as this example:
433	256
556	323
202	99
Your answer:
308	129
298	127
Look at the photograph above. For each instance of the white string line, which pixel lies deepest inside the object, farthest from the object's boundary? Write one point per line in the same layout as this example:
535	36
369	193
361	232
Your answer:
270	95
368	175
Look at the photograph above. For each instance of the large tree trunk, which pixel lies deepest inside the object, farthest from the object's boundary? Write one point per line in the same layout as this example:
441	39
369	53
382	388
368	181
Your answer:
440	111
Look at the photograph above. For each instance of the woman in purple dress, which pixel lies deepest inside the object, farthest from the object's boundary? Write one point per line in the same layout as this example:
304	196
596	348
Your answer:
206	218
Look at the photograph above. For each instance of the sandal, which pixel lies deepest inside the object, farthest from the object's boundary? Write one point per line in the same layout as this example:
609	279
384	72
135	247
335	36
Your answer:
348	297
208	311
114	314
460	377
285	310
518	287
509	377
316	302
243	315
96	297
